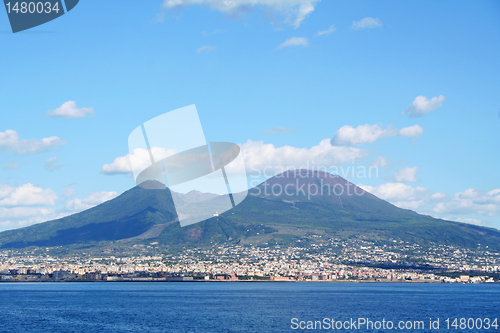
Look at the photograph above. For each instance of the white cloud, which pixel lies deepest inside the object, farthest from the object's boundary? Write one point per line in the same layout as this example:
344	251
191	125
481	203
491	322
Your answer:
379	162
10	165
5	190
412	205
9	224
406	196
260	157
412	131
367	22
140	159
406	175
279	130
469	202
23	212
9	140
398	192
464	206
92	200
19	217
29	195
438	196
472	201
306	8
294	41
465	220
69	192
421	105
51	164
326	32
206	48
294	11
69	110
350	136
121	165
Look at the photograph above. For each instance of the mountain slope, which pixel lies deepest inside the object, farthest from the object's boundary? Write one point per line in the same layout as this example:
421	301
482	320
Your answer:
128	215
348	210
286	206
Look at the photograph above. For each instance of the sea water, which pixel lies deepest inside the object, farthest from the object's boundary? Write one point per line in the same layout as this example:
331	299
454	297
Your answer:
248	307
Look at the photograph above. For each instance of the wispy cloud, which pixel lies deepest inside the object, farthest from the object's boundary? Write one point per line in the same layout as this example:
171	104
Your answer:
406	196
472	201
206	48
9	141
10	165
466	220
367	23
294	11
329	31
159	18
421	105
18	217
355	136
380	162
468	202
406	175
51	164
294	41
69	110
92	200
69	192
279	129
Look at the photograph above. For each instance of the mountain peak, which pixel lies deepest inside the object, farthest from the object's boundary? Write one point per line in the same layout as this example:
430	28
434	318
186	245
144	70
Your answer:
152	185
306	173
310	183
196	196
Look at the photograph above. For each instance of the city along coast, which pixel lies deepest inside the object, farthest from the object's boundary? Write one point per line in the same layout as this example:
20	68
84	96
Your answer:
326	260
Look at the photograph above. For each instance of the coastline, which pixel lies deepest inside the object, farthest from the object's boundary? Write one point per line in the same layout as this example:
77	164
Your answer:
164	280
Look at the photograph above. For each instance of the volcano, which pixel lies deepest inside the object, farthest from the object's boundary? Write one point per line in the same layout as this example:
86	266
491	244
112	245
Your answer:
278	211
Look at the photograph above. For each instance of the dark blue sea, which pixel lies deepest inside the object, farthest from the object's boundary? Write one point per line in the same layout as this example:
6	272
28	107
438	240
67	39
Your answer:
248	307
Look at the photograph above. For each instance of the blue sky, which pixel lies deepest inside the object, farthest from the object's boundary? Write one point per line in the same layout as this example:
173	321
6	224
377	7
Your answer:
411	87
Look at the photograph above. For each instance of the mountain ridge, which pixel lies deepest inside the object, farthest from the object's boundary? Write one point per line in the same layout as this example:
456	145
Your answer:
297	203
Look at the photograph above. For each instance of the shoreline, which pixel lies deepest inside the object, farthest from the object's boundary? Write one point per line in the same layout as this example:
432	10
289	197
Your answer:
239	281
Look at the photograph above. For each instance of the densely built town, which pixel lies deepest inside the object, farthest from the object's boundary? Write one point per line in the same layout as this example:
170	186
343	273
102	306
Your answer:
314	258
